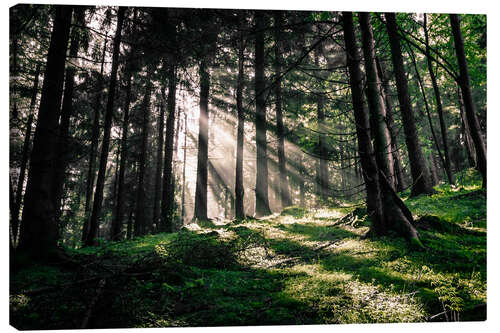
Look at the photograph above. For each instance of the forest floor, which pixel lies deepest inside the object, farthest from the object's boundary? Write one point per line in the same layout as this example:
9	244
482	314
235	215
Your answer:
303	266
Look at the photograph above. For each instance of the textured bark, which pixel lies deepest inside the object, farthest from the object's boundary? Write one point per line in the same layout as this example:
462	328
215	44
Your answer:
94	145
141	226
365	148
200	205
398	164
238	187
322	174
283	184
64	144
470	107
91	236
376	103
434	180
261	184
469	145
159	165
167	206
387	210
183	202
117	223
419	171
17	200
39	230
439	107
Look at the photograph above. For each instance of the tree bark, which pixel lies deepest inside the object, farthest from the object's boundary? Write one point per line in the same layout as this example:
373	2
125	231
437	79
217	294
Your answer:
39	230
94	145
167	208
470	107
386	209
159	165
238	187
365	148
375	101
261	186
64	144
200	206
17	200
284	188
419	171
117	222
141	227
386	91
90	238
439	107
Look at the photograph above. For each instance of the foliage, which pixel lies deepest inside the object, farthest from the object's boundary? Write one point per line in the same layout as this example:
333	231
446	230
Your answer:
302	267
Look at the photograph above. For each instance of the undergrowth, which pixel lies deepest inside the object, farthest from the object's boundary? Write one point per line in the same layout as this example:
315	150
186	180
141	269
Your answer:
299	267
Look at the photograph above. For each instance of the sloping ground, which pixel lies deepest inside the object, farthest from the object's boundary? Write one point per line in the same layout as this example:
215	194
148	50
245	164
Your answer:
300	267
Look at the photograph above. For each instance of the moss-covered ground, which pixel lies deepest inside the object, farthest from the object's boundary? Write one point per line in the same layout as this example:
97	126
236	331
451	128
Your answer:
298	267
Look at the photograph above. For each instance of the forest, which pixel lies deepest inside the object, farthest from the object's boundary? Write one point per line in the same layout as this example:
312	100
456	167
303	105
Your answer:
235	167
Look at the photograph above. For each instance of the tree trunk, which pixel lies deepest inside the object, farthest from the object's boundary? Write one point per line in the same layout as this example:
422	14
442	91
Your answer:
419	171
117	223
398	165
365	148
283	185
386	209
470	107
427	111
469	145
17	200
375	101
439	107
159	165
183	202
90	238
141	227
200	206
94	145
167	207
261	186
64	144
238	187
39	230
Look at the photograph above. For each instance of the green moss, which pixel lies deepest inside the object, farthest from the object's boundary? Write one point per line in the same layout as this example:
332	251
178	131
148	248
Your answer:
296	268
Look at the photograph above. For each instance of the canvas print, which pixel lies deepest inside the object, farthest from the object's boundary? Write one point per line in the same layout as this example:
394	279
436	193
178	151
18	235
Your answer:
240	167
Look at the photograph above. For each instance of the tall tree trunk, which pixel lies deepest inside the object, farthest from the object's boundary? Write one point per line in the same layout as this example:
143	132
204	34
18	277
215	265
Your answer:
322	175
419	171
469	145
141	226
64	144
39	230
117	222
398	165
420	83
375	101
200	205
17	200
365	148
470	107
90	238
261	187
439	107
387	211
183	202
167	206
284	188
159	165
94	145
238	187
